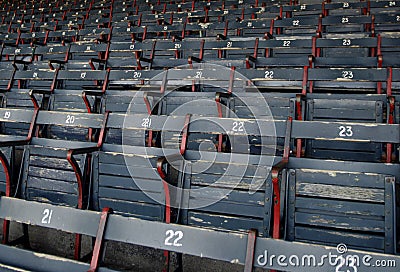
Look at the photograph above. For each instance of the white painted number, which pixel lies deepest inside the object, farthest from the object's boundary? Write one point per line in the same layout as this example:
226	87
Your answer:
345	131
70	119
178	45
238	126
345	5
199	74
345	20
303	7
398	18
346	42
146	122
347	74
296	22
286	43
229	44
83	75
137	74
178	235
47	213
392	3
269	74
343	264
7	115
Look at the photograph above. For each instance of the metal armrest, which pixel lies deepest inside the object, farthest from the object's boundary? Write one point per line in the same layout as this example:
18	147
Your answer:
21	61
38	43
39	91
103	40
196	59
167	159
92	92
268	36
85	93
145	60
83	150
51	62
218	96
138	39
14	142
10	44
276	169
311	59
221	37
58	61
175	37
98	60
251	58
36	91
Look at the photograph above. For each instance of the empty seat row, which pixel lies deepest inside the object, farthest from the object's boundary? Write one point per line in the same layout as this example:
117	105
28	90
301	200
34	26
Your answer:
289	52
184	126
151	181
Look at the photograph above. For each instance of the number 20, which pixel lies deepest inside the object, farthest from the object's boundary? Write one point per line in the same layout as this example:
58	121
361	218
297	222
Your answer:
70	119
